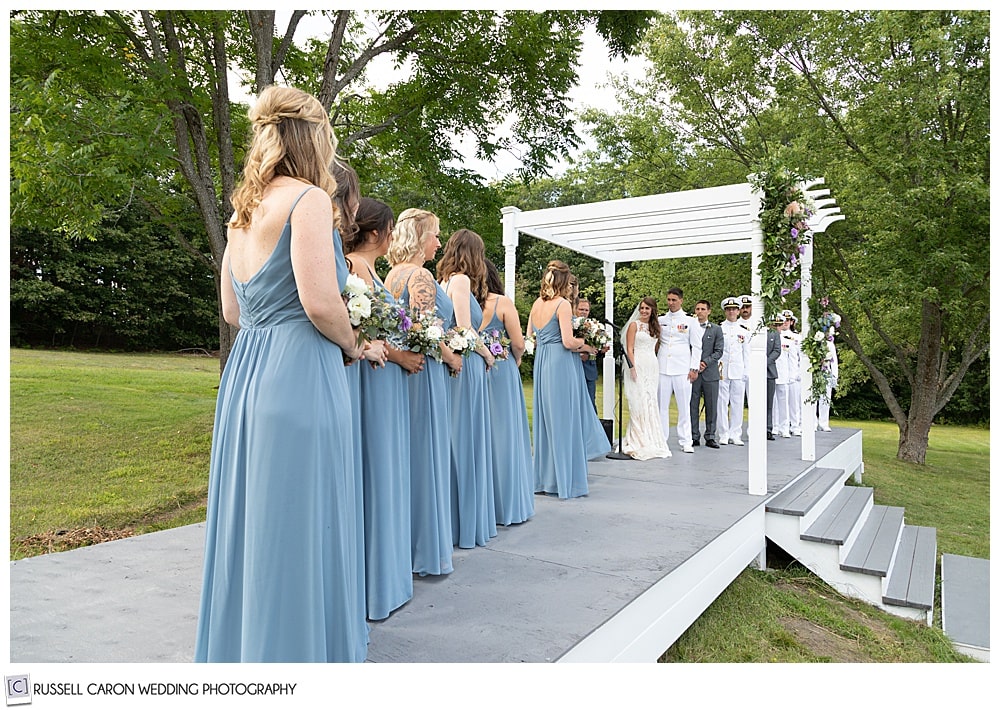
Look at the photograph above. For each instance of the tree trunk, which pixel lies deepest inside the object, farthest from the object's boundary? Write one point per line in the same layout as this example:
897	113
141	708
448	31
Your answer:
227	334
913	437
925	385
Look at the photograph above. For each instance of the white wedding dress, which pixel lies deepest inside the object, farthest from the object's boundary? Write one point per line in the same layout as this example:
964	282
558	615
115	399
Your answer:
644	438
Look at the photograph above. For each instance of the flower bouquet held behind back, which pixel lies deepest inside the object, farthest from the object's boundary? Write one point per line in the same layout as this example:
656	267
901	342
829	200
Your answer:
462	341
497	343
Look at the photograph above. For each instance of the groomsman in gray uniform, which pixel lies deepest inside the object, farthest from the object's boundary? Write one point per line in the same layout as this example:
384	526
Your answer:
773	352
707	382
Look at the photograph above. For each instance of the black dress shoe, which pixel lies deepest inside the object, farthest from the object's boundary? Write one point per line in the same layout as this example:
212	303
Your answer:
695	443
710	443
770	436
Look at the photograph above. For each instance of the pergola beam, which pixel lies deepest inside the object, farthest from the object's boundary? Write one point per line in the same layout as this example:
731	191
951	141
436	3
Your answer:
693	223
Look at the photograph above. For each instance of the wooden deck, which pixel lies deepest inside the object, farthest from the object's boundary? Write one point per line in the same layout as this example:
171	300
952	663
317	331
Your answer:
614	576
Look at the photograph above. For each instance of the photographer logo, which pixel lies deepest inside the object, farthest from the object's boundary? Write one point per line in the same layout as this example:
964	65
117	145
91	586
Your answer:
18	689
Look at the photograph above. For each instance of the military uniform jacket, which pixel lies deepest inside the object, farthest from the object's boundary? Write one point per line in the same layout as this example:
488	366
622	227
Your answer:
788	362
680	343
735	362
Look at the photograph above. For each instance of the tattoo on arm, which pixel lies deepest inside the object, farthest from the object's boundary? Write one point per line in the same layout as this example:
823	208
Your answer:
423	290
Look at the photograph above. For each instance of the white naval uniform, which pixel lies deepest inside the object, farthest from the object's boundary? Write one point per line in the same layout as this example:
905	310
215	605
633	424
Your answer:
795	386
824	402
733	369
680	352
747	325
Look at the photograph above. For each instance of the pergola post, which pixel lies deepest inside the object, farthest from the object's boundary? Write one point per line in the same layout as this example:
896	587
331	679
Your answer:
807	408
510	239
757	396
608	399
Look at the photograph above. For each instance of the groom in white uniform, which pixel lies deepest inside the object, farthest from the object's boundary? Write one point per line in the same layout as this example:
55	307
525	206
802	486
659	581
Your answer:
678	358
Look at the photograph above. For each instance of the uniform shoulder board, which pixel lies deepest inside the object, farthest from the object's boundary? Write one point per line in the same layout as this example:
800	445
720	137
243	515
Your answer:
743	327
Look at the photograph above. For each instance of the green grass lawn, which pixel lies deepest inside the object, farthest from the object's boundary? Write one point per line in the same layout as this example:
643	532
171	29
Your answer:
120	442
107	440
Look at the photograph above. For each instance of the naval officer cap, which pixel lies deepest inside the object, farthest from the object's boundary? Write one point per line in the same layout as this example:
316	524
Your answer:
746	300
730	302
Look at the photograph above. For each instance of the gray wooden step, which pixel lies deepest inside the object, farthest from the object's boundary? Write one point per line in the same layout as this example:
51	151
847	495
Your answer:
911	580
834	525
965	600
872	552
801	496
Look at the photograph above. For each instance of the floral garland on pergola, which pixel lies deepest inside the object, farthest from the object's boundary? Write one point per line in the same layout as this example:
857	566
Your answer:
823	325
784	212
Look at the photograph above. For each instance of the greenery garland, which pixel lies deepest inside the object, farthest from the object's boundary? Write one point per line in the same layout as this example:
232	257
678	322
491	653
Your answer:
823	325
783	214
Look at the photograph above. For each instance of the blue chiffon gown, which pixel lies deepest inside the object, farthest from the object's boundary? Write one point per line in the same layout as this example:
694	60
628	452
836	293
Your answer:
353	374
281	563
513	475
430	456
385	404
566	428
473	515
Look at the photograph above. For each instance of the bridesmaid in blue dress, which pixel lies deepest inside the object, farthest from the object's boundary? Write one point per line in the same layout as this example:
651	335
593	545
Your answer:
385	404
462	272
513	475
566	428
347	200
415	241
280	563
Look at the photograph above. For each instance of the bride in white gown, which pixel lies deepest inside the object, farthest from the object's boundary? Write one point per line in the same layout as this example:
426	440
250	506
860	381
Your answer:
644	438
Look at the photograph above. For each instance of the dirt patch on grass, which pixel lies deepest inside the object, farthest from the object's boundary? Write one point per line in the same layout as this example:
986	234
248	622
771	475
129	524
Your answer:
822	642
61	540
827	644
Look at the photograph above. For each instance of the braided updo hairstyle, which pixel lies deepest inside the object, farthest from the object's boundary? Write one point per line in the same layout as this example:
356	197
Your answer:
556	281
292	137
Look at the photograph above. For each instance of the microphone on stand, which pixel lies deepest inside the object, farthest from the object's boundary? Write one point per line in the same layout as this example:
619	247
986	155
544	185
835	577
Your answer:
620	354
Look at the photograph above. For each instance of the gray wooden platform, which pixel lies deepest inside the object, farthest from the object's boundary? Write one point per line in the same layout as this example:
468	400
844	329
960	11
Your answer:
965	603
530	595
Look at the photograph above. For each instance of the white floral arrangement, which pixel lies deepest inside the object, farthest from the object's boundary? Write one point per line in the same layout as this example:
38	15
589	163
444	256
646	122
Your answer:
462	340
358	299
592	331
529	343
425	335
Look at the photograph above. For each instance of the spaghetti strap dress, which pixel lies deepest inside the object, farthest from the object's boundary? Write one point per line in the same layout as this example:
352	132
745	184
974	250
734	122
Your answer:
473	516
566	428
430	456
513	476
385	404
353	374
281	557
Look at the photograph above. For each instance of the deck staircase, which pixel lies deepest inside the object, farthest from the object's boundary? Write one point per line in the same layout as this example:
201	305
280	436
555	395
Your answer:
863	550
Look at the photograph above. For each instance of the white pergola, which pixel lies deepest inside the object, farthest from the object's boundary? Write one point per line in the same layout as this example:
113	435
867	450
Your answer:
707	222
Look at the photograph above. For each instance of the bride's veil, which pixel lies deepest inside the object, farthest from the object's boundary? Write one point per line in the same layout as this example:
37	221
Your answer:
634	318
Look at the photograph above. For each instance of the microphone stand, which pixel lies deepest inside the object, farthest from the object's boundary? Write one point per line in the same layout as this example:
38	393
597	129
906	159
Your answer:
621	357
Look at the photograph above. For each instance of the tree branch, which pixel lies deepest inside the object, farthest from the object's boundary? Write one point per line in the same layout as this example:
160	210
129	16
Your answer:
881	381
901	356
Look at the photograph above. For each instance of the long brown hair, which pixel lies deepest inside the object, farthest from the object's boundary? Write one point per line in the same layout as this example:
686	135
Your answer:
374	217
465	253
653	323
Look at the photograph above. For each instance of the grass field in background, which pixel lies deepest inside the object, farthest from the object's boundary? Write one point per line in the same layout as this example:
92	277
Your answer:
120	442
107	440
